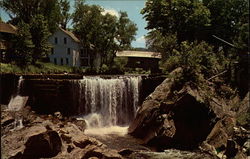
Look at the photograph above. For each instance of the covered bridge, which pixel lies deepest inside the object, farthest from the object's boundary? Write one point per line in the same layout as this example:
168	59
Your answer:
142	59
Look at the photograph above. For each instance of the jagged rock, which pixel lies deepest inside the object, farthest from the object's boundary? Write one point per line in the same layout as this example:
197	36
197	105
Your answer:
70	148
46	144
13	144
125	152
100	152
81	124
183	115
221	131
58	115
231	149
66	138
175	115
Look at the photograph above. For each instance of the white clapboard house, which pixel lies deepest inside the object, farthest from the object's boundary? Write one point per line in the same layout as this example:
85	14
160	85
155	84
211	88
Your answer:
66	50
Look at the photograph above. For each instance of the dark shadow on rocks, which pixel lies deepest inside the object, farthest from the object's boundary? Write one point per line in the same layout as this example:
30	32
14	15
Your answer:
45	145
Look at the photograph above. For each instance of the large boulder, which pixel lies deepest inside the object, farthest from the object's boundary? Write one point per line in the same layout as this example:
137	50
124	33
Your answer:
179	115
13	143
47	144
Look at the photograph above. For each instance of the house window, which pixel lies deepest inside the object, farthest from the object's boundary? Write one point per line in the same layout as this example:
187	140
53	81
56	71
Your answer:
68	51
65	40
61	61
67	61
55	61
55	40
52	50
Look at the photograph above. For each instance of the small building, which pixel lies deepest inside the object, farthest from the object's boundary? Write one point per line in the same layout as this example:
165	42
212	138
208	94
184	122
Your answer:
67	50
142	59
7	31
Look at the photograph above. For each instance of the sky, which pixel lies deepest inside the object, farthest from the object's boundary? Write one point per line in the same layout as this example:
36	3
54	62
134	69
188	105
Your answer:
132	7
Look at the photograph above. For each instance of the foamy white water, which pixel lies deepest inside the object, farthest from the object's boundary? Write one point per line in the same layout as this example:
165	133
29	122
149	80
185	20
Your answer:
114	130
107	103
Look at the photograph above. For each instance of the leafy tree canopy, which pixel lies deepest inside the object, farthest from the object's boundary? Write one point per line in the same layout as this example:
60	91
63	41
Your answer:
106	33
184	17
25	10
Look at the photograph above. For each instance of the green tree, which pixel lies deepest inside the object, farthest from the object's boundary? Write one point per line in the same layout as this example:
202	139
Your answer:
21	51
186	18
197	60
165	44
23	10
65	15
126	30
102	31
40	35
42	16
228	18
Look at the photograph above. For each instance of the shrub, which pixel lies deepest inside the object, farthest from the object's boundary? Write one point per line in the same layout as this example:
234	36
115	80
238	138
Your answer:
196	59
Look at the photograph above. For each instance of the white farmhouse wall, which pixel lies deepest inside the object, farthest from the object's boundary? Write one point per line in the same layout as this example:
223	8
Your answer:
60	50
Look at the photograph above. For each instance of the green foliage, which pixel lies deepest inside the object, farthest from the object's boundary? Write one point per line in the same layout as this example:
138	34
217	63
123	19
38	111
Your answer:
120	63
23	10
40	35
184	17
242	40
106	33
41	18
227	17
22	48
65	16
196	59
243	119
43	68
104	69
157	42
126	30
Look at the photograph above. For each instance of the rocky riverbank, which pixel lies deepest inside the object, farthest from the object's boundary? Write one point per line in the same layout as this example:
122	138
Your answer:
48	136
185	116
27	135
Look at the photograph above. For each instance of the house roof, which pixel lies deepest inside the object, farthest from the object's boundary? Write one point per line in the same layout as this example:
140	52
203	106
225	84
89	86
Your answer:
7	28
143	54
71	35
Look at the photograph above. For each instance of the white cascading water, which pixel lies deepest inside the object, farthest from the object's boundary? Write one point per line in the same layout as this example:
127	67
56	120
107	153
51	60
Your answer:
14	105
107	102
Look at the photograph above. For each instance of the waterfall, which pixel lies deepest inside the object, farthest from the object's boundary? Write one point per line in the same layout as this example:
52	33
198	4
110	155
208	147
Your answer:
19	85
16	103
17	100
107	102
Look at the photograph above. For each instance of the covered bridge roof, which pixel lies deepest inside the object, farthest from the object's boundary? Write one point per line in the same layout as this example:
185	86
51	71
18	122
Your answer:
143	54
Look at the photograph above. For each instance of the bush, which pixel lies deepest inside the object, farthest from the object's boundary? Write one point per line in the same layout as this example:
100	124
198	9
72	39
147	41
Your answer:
120	63
104	69
196	59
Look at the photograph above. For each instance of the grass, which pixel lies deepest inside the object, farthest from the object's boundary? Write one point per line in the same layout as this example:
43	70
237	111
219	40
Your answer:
41	67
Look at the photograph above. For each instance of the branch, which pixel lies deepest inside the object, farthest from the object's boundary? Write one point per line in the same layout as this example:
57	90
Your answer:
217	75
